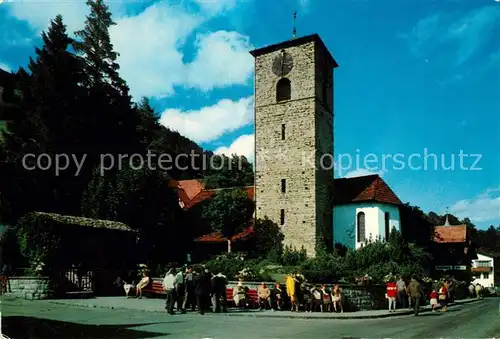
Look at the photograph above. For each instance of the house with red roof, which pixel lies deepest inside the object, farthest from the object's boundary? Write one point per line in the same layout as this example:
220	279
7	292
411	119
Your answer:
192	192
364	208
452	248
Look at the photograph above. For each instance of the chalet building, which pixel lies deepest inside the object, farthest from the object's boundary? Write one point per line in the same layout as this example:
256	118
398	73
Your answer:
483	270
452	248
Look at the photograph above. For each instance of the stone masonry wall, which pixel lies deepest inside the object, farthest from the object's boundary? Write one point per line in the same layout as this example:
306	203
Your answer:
306	201
29	287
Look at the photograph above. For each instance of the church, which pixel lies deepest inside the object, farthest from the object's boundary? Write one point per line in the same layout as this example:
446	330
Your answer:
294	117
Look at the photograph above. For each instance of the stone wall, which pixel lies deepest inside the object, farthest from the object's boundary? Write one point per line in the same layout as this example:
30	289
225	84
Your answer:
29	287
356	297
364	298
308	134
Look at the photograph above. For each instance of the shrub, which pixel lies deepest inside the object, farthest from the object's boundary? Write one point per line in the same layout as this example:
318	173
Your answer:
292	257
268	240
228	264
39	239
325	268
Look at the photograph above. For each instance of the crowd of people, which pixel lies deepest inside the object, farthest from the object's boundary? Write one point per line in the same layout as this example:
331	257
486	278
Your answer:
408	294
202	291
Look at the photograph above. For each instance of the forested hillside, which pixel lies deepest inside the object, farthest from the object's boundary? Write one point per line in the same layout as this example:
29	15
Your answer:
70	100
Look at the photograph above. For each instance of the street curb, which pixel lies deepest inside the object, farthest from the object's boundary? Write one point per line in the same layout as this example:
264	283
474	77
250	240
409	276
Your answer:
276	315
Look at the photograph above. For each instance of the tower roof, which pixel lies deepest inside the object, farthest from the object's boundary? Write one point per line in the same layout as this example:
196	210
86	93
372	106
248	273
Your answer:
293	43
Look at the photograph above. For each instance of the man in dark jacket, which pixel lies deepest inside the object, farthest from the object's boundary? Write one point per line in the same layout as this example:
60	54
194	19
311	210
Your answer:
189	297
219	283
203	286
415	293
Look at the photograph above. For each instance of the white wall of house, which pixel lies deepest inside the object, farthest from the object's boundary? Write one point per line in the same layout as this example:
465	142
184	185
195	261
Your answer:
483	278
345	222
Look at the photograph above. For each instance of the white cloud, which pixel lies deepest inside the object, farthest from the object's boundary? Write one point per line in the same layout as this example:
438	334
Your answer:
483	208
5	67
209	123
38	14
243	145
304	5
222	60
468	33
214	7
361	172
151	44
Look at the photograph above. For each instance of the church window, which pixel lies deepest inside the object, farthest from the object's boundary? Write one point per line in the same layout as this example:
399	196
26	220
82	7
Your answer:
387	227
283	90
282	217
282	131
361	227
283	185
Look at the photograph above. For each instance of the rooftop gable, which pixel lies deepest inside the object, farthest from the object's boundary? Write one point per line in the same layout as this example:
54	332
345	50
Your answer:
366	188
85	222
450	234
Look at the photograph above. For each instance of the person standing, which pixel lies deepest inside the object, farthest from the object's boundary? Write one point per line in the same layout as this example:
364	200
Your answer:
415	293
392	293
169	287
402	297
202	290
180	290
189	299
434	300
443	296
219	296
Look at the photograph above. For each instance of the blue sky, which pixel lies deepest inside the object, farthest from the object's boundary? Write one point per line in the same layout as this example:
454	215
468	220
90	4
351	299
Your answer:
413	76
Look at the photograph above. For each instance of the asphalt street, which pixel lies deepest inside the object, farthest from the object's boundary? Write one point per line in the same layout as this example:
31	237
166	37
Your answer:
41	319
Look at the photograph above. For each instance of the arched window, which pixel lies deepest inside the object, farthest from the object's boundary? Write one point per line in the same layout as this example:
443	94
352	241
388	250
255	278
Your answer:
387	227
361	227
283	90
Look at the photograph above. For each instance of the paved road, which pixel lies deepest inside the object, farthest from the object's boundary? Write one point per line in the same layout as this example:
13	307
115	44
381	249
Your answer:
41	319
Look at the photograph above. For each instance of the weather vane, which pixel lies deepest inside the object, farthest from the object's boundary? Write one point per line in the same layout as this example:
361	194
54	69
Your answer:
294	33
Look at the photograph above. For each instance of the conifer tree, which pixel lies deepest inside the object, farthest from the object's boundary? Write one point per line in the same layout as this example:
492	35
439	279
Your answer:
96	47
45	121
114	121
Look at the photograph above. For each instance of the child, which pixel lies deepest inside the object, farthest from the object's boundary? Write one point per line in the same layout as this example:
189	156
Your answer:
391	294
434	300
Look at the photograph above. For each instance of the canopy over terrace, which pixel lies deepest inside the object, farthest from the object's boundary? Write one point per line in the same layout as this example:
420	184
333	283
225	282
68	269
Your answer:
65	242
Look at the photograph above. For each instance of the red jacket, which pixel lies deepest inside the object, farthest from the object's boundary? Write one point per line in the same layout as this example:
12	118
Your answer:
434	295
392	290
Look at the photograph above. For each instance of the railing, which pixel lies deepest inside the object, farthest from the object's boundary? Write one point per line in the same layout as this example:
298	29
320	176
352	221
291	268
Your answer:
84	281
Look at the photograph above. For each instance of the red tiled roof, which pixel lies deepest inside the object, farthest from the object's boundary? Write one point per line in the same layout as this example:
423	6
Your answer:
218	237
450	234
207	194
366	188
203	195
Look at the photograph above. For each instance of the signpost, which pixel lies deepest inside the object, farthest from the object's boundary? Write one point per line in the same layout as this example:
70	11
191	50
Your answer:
451	267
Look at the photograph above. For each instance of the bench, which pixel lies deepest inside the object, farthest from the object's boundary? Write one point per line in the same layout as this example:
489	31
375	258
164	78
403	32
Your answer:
252	297
155	287
229	295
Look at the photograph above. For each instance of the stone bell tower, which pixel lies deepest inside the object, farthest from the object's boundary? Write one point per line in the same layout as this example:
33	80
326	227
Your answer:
294	139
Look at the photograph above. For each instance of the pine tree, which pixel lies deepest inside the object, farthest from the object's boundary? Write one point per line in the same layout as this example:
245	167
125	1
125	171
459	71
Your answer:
113	119
97	49
45	121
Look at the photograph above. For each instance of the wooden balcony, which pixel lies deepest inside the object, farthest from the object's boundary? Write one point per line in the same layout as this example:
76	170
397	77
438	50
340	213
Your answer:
481	269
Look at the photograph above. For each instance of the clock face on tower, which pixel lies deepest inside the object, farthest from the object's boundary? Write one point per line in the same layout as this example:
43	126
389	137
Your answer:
282	64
